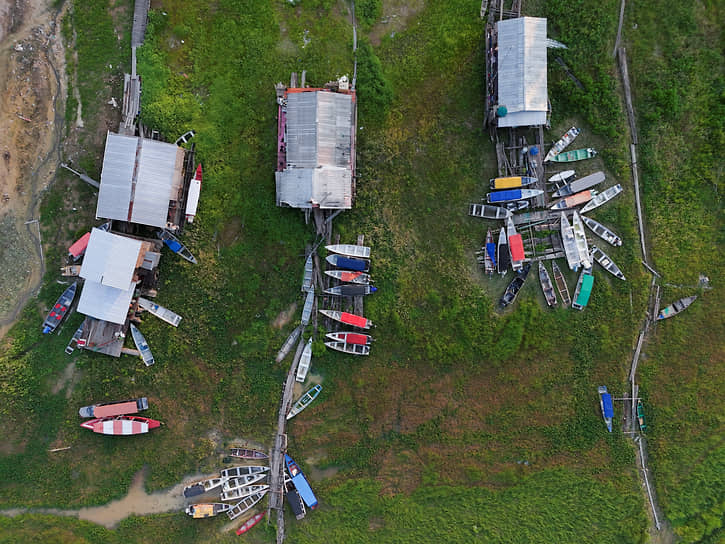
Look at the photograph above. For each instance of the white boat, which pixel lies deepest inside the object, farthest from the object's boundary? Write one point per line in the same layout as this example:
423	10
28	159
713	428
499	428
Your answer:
245	504
244	491
600	230
569	241
243	481
581	184
581	241
159	311
237	472
142	346
583	289
206	510
304	401
607	263
602	198
351	250
307	309
350	276
305	360
199	488
562	177
559	146
307	278
486	211
192	198
352	349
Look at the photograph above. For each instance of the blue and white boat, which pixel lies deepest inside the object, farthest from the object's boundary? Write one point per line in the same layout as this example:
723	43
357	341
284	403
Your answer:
300	482
605	403
512	195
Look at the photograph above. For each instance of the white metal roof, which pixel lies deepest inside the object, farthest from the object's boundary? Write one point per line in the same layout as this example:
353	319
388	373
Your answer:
326	187
104	302
522	84
110	259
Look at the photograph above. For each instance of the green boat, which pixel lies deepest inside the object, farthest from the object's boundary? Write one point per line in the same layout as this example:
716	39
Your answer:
575	155
640	416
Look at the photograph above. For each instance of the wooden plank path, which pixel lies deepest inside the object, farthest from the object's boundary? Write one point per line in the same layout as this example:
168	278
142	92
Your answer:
140	17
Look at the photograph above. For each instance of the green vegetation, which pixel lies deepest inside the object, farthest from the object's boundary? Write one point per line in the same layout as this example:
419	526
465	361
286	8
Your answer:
464	424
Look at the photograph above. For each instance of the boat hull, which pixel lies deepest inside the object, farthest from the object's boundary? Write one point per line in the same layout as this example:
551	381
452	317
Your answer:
142	346
602	198
192	199
348	263
575	155
563	142
546	286
676	307
351	349
351	250
60	309
300	483
514	287
348	319
251	522
121	425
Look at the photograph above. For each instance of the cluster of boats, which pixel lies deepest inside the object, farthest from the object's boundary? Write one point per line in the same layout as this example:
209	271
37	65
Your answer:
116	418
607	408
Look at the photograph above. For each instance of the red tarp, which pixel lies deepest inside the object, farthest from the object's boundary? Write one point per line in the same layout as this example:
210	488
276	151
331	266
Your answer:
357	339
516	246
352	319
79	248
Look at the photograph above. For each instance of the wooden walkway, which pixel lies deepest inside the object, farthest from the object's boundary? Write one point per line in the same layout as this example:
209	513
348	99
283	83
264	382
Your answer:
140	18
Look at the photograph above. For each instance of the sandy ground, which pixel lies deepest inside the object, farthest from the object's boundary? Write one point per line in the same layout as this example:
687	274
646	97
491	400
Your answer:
32	102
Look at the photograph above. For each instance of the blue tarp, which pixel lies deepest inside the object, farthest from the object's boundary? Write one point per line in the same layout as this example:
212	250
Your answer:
504	196
173	245
607	403
351	264
491	250
301	484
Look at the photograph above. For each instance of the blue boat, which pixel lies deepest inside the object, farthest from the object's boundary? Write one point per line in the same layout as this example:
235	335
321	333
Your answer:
300	482
512	195
605	403
348	263
175	245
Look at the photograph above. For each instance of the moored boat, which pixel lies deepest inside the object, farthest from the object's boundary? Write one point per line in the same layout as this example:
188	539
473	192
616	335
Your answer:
307	308
231	484
199	488
512	195
352	349
517	205
78	248
516	246
243	491
360	278
602	198
606	263
142	346
247	503
348	318
116	408
159	311
640	416
546	286
569	241
350	338
206	510
573	200
580	238
304	401
350	290
307	276
503	257
175	245
605	404
251	522
300	482
600	230
244	453
515	286
561	284
575	155
238	472
348	263
562	177
488	255
60	309
676	307
513	182
305	360
488	212
70	270
294	500
351	250
583	289
581	184
563	142
121	425
192	198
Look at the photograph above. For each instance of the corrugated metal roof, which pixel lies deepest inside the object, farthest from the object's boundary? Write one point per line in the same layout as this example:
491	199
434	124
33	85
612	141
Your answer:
110	259
325	187
155	178
104	302
522	71
114	194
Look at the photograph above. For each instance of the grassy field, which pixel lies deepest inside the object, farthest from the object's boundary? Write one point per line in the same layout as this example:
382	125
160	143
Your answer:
464	424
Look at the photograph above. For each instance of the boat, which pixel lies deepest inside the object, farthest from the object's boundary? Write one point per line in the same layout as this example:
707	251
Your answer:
350	338
602	198
575	155
307	277
516	246
192	198
75	340
574	200
238	472
562	177
300	482
121	425
247	503
360	278
348	290
142	346
199	488
489	254
515	286
70	270
348	319
517	205
78	248
251	522
244	453
291	340
676	307
581	184
231	484
512	194
159	311
304	401
488	212
569	241
175	245
561	285
546	285
206	510
559	146
116	408
580	237
294	500
352	349
605	403
607	263
503	257
350	250
307	308
600	230
583	289
305	360
59	309
244	491
640	416
513	182
348	263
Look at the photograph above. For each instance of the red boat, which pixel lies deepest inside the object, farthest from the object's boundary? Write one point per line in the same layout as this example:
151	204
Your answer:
121	425
349	319
251	522
351	338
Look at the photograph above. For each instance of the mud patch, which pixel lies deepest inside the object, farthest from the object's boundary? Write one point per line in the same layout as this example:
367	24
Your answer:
67	380
17	261
395	18
284	317
231	231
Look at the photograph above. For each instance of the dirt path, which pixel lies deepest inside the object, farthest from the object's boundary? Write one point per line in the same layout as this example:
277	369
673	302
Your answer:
32	105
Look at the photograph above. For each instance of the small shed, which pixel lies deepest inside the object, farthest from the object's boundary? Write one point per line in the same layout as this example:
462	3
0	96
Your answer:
522	83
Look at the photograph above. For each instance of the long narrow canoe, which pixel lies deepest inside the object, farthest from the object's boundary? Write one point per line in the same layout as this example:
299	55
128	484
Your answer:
159	311
352	349
307	277
60	309
569	241
600	230
515	286
243	481
305	360
244	491
244	453
238	472
300	482
307	309
573	200
121	425
348	263
513	182
489	256
559	146
351	250
142	346
247	503
676	307
561	177
348	290
581	184
546	286
561	285
606	263
350	338
175	245
581	241
304	401
487	211
360	278
251	522
512	195
199	488
206	510
348	319
575	155
602	198
503	257
192	198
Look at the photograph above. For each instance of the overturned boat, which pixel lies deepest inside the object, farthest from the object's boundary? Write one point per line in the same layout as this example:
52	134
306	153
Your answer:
562	177
305	360
513	182
348	263
569	241
360	278
350	290
192	198
121	425
512	195
581	184
573	200
516	246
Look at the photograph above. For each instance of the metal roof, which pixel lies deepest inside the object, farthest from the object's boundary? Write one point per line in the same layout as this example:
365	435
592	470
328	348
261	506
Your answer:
138	179
522	71
324	187
105	303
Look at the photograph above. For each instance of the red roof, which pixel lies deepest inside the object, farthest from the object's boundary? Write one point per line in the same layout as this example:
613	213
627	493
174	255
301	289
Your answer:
516	246
78	248
352	319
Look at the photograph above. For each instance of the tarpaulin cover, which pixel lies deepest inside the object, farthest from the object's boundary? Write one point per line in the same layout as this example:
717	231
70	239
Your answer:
516	246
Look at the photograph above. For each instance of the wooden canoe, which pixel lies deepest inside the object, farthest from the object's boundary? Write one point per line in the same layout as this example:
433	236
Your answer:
348	318
561	284
351	250
606	263
575	155
546	286
602	198
600	230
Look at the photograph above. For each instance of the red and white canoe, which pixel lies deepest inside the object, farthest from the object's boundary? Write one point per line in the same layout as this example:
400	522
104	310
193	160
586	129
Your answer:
121	425
349	319
251	522
358	277
350	338
192	199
